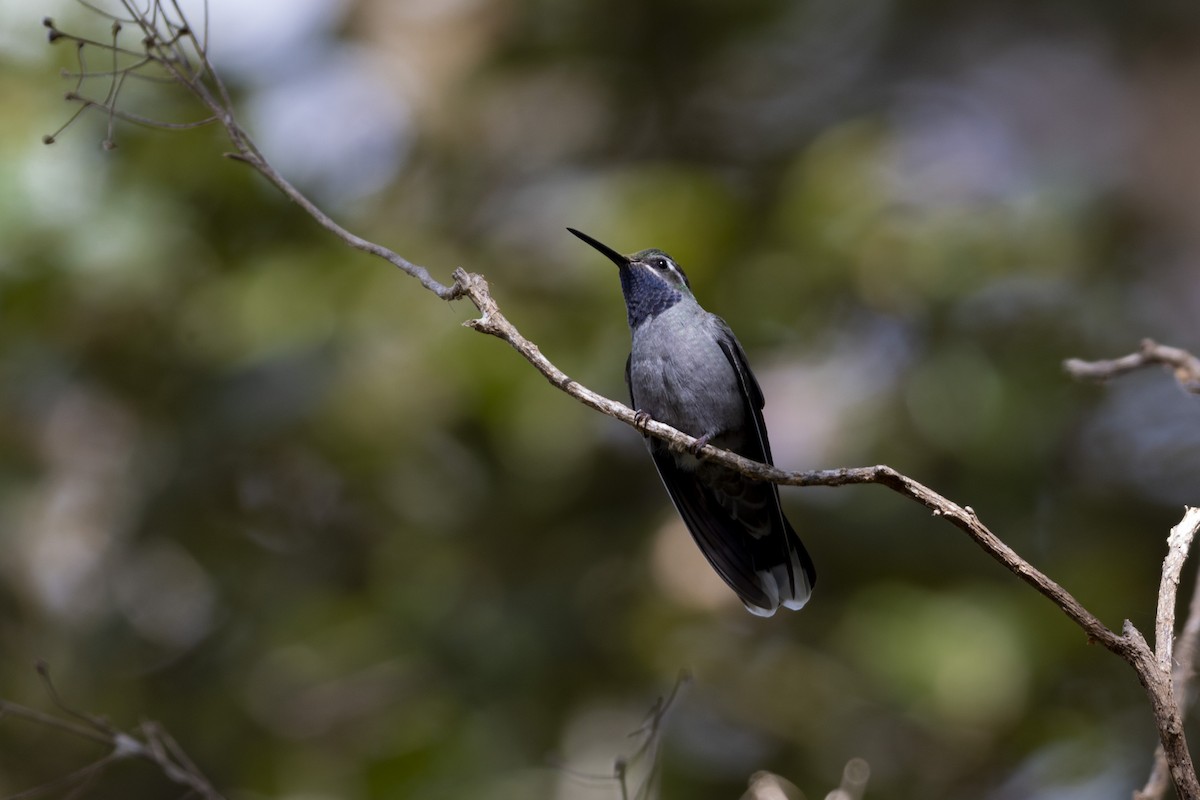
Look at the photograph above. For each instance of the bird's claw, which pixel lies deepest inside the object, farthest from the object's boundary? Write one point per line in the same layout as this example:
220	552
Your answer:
699	444
640	418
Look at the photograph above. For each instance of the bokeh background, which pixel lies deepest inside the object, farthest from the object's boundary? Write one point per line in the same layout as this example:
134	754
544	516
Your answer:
267	491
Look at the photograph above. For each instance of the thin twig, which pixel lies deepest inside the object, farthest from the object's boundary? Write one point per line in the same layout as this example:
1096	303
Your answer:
137	119
651	732
1185	366
84	776
154	746
49	720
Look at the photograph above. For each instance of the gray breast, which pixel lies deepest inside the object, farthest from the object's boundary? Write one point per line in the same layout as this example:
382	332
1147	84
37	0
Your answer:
680	375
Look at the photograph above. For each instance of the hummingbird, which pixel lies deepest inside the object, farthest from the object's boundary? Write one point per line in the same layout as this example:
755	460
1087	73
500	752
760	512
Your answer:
688	370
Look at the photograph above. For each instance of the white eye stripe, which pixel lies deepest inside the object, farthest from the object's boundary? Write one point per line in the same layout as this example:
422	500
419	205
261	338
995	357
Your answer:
664	265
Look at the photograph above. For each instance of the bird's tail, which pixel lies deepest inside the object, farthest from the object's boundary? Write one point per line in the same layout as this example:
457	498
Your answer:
787	577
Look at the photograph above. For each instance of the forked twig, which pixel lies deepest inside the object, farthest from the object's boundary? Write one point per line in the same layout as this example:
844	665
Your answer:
151	744
648	749
1183	676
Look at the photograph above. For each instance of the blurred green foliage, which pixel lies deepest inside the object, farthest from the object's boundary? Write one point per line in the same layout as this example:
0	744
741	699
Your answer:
268	492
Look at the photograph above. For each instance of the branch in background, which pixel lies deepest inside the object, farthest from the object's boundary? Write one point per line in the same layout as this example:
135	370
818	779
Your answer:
1178	545
854	781
149	742
1157	673
646	757
1185	366
172	46
1176	675
1182	679
765	785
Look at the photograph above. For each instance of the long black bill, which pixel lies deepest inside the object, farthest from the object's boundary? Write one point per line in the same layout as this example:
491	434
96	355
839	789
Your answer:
613	255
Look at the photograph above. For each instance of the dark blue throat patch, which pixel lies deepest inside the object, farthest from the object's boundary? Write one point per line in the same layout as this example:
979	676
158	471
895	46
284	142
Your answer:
646	295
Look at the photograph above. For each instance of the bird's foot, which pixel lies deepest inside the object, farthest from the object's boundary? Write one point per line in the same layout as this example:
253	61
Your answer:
701	441
640	418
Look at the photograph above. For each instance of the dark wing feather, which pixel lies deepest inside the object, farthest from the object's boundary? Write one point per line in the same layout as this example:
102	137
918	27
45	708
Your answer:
758	447
730	549
629	380
721	538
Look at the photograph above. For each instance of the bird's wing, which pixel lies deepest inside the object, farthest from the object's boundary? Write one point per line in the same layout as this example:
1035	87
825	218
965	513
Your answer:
629	381
720	536
741	559
758	447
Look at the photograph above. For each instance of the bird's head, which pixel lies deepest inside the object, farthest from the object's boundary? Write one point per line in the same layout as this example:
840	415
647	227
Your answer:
661	266
653	266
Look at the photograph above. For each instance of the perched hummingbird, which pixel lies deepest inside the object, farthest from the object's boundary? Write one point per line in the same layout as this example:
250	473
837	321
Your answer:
687	369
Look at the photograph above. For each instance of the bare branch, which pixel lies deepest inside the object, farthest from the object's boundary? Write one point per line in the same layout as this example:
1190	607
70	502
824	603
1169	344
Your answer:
764	785
164	40
154	745
1183	676
10	709
136	119
1158	677
1185	366
855	776
1178	544
651	733
1186	651
1168	680
81	779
